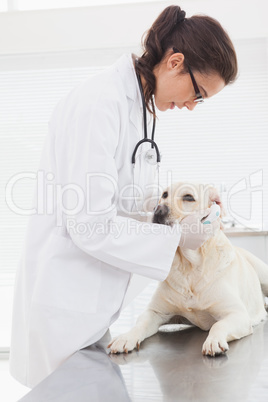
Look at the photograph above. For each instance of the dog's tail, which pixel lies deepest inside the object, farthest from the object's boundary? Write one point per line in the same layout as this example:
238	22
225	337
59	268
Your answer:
260	267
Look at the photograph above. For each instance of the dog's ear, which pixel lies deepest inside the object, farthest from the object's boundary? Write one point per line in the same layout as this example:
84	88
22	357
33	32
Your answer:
215	197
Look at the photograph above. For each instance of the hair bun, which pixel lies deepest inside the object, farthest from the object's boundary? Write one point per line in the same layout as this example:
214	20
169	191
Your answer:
181	16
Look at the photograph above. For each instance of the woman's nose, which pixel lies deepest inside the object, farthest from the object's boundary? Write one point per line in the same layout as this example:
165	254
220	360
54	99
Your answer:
190	105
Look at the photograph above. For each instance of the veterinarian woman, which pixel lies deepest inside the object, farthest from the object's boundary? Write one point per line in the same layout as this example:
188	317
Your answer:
86	241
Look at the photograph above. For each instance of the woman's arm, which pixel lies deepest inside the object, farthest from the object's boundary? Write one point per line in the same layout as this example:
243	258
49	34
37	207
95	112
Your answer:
85	148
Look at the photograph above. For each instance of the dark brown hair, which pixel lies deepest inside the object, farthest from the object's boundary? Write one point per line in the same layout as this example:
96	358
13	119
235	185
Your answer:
205	45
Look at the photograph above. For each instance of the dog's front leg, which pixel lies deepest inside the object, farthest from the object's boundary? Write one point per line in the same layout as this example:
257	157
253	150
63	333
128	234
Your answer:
147	325
231	327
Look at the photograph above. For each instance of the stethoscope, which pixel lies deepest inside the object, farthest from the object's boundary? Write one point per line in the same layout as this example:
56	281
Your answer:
152	156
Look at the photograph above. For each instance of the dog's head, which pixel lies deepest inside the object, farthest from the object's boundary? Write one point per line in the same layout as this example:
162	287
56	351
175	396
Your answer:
182	199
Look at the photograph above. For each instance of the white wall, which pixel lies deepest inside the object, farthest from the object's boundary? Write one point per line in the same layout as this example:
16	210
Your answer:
117	26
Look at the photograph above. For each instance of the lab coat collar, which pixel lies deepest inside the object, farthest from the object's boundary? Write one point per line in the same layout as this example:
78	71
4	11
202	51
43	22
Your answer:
128	75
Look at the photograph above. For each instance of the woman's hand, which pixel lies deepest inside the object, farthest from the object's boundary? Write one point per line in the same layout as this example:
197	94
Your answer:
194	233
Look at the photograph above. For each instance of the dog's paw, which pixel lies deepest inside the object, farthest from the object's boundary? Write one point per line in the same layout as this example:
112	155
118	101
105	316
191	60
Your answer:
213	346
124	343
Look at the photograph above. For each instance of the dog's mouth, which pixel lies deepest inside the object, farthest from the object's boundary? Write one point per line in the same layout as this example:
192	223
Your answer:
162	216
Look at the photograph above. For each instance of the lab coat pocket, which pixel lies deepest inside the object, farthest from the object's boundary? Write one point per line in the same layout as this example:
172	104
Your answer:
68	278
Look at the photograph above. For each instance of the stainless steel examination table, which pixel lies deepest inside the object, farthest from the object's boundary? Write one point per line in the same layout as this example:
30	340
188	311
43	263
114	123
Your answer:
168	367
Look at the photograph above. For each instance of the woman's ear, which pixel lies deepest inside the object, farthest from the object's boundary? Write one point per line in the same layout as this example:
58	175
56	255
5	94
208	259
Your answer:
175	61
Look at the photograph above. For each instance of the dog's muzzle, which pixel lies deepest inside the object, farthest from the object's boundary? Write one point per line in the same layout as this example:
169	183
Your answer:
161	214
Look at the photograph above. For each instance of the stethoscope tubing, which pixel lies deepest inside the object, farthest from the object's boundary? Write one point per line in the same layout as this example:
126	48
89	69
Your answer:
145	137
158	158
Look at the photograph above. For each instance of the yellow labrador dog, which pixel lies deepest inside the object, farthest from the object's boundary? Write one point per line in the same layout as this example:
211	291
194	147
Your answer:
218	287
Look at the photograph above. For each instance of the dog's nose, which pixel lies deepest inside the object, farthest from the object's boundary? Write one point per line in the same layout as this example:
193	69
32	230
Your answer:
160	214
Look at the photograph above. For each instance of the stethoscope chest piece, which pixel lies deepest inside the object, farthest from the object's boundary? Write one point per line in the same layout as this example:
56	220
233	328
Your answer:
151	157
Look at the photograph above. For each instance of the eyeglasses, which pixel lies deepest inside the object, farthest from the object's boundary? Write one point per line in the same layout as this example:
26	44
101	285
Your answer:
199	98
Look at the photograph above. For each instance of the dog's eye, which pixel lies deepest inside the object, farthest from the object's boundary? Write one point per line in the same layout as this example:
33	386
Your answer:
188	197
165	194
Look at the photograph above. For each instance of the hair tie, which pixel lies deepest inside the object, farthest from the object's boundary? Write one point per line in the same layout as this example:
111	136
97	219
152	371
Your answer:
181	16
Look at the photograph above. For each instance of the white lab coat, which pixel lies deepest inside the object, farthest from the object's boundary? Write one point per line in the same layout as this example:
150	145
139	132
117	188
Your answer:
70	287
